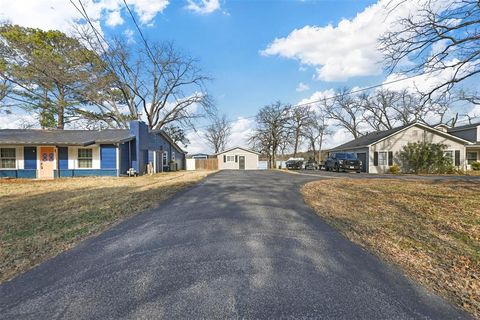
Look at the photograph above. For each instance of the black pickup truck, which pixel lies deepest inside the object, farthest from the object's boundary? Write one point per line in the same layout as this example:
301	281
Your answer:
294	164
343	161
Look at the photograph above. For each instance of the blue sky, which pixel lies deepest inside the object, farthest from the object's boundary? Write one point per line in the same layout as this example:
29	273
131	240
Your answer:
228	43
256	52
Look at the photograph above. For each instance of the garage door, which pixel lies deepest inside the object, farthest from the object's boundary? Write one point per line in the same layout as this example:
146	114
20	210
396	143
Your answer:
363	157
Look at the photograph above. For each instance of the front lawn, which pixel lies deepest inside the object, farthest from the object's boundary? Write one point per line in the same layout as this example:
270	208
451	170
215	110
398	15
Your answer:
39	219
429	229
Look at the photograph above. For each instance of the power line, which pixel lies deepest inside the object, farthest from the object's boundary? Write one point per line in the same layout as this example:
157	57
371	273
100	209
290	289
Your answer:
335	96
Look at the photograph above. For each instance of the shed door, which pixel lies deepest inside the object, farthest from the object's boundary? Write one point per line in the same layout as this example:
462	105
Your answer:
363	157
241	162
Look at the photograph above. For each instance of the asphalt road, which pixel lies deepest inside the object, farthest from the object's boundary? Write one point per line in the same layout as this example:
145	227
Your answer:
237	245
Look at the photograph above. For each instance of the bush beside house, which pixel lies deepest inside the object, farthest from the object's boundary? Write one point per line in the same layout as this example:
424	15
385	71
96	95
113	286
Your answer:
423	157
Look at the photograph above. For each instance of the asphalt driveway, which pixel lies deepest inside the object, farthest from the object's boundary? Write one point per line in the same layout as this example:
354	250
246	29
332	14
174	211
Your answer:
237	245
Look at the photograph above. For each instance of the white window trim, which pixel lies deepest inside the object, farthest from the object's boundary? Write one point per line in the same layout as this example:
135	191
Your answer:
165	158
73	154
17	156
230	161
466	156
386	158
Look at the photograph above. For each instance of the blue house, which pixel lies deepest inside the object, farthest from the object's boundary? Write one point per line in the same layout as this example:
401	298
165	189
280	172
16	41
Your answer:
32	153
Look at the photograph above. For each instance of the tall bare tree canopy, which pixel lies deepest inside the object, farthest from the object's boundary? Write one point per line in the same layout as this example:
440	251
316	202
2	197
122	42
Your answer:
315	132
300	118
272	128
154	79
346	111
441	36
218	132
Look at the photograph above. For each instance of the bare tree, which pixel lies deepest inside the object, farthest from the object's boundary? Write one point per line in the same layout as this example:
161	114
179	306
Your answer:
153	78
442	35
272	128
300	118
385	109
346	111
315	132
218	132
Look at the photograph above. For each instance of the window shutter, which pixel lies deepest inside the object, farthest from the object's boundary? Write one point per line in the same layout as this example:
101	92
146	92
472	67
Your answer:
457	158
236	158
375	158
390	158
224	158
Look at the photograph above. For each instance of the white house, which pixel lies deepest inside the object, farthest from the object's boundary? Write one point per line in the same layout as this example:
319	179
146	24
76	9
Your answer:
237	158
379	150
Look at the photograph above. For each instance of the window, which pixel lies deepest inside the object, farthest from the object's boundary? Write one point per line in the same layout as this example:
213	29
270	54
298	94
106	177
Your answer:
471	157
85	158
165	158
8	158
449	156
230	158
382	158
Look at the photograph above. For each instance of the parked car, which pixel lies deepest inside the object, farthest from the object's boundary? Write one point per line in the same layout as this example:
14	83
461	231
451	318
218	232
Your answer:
343	161
294	164
312	165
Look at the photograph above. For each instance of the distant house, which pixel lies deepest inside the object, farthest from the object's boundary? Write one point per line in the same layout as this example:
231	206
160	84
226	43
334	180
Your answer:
379	150
30	153
238	158
199	156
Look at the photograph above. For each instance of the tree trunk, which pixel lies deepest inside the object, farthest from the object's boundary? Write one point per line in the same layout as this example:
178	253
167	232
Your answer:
61	109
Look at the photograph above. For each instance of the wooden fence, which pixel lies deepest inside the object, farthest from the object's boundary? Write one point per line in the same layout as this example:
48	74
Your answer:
206	164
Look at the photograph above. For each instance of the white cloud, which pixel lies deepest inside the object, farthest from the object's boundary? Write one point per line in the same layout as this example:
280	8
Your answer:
61	14
242	129
346	50
203	6
428	81
302	87
128	33
114	19
474	112
17	120
318	95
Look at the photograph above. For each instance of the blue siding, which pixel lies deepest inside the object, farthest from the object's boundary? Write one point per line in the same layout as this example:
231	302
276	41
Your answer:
108	156
88	173
63	158
30	157
27	174
8	173
21	174
145	142
124	157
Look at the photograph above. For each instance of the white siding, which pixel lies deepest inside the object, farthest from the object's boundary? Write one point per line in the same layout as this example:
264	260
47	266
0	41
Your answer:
413	134
19	158
190	164
73	155
251	160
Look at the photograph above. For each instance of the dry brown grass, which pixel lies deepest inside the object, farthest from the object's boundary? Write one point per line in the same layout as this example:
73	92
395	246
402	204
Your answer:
39	219
431	230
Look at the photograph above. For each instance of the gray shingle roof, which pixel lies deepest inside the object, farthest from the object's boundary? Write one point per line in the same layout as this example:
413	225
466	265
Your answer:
368	139
467	126
63	137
